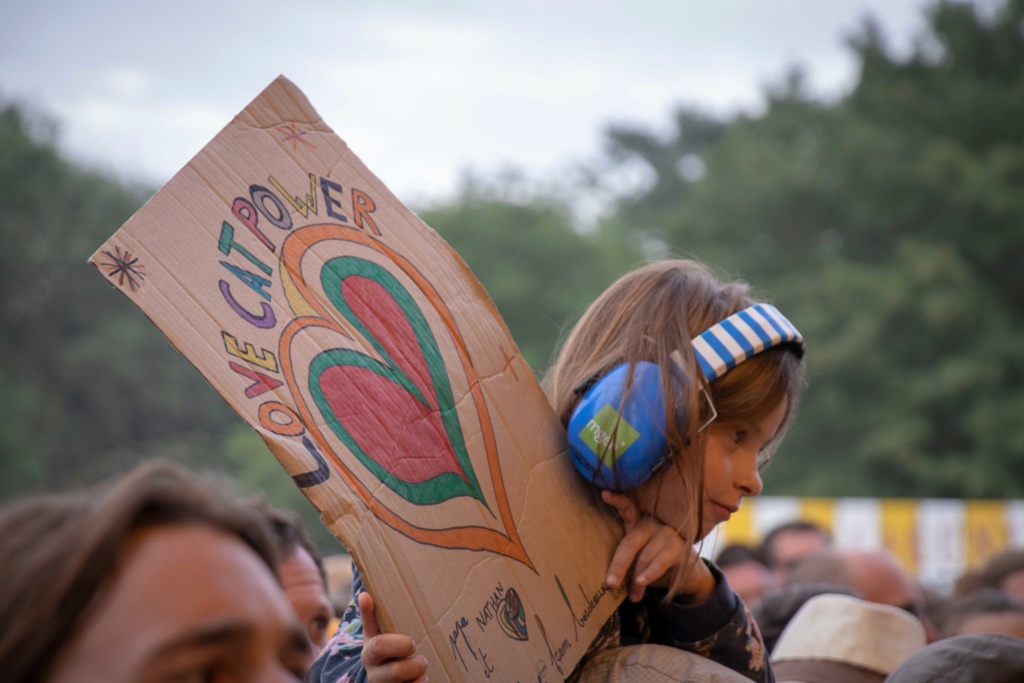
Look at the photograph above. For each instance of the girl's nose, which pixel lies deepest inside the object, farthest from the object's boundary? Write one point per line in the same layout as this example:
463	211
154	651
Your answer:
748	477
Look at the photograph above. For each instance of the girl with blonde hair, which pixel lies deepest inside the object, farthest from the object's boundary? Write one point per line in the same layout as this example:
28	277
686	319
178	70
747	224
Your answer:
675	389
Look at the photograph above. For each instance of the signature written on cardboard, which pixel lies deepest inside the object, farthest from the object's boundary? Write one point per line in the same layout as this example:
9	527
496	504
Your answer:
458	638
502	606
556	651
590	602
507	609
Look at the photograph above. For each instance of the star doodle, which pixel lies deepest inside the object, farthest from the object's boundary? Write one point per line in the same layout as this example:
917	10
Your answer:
294	135
124	267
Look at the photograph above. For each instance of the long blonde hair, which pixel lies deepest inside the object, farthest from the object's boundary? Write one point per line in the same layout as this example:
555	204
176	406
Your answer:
651	314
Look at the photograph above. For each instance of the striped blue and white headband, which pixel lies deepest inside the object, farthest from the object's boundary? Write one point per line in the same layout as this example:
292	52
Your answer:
725	345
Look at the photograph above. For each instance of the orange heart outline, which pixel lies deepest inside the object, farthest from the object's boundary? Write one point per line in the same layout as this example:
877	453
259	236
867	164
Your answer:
311	312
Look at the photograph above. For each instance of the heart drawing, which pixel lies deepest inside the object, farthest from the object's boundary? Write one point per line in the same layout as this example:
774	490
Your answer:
512	617
390	402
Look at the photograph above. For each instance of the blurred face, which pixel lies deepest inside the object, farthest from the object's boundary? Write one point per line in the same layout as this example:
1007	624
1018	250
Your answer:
730	473
1013	585
305	590
189	604
1008	623
788	547
749	580
879	577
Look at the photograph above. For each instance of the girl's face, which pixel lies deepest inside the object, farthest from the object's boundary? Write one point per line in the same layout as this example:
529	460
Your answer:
730	474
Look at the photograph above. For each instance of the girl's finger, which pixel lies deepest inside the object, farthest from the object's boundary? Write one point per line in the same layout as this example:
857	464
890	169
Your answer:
627	510
658	557
630	545
643	571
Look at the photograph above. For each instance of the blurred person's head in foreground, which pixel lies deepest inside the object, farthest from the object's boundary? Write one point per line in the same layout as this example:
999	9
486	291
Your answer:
1005	571
745	571
155	576
987	610
876	575
788	543
301	572
779	605
973	658
837	638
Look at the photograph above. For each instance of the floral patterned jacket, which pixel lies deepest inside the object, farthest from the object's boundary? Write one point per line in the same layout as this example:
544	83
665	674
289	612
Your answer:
720	628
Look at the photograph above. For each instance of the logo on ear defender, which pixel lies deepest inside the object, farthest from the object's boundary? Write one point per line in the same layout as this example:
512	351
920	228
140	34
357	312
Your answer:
599	431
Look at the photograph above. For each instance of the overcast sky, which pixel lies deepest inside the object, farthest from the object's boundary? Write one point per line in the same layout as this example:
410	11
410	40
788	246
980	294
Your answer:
419	90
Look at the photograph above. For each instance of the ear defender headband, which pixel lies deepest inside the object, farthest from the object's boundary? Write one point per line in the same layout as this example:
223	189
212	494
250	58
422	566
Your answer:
617	441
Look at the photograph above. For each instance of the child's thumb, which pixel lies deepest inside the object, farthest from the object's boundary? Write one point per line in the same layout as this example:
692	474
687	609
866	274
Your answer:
370	627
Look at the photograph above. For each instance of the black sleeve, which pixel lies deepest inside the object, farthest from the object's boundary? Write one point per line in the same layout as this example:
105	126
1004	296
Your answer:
719	628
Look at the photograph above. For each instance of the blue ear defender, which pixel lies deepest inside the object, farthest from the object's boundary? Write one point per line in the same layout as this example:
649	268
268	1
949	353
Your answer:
613	443
617	432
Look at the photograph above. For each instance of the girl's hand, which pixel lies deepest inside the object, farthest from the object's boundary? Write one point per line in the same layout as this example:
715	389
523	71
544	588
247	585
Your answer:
388	657
656	550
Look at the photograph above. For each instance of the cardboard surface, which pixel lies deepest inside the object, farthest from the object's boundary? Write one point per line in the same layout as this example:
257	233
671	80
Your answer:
376	368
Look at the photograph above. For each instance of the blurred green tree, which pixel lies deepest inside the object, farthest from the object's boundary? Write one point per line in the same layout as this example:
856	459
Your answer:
537	268
89	384
890	226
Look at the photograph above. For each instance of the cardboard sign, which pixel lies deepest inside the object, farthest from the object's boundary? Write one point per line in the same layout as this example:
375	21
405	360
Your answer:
373	364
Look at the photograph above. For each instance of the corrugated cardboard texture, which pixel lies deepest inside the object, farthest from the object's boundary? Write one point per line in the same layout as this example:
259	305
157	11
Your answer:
379	373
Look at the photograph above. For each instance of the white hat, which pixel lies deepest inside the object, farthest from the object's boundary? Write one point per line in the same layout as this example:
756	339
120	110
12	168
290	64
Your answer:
842	639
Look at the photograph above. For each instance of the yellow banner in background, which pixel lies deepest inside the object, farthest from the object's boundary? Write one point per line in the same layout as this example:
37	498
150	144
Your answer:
986	530
899	531
818	510
739	529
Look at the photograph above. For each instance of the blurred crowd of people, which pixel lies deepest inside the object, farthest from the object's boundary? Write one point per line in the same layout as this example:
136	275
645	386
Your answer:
187	583
839	614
